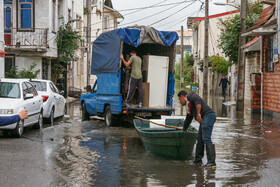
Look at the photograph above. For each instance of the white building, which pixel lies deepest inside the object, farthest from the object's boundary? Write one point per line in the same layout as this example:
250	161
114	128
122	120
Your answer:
30	30
103	18
187	43
197	26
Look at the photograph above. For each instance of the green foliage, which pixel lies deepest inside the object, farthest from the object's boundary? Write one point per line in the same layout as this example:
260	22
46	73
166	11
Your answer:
67	42
219	64
188	68
25	73
230	29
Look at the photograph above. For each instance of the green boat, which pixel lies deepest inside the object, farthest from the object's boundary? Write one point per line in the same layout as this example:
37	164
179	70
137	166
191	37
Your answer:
167	142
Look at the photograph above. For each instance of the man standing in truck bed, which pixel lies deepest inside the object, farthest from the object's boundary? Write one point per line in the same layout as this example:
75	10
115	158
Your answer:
135	79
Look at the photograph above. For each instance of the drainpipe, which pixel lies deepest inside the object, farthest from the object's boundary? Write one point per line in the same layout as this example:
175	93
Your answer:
261	71
2	66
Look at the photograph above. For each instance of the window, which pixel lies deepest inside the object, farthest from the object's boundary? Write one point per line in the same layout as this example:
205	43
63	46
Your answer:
9	63
106	22
93	2
53	88
269	66
24	89
31	89
9	90
25	14
7	16
40	86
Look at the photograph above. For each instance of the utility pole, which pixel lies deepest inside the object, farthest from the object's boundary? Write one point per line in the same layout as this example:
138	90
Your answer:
241	63
205	68
88	40
182	63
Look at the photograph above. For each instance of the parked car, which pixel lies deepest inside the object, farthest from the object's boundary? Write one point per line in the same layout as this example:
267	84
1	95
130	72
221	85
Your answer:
16	95
54	102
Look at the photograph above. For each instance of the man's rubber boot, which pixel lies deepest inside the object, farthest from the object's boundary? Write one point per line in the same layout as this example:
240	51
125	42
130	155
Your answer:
199	153
211	156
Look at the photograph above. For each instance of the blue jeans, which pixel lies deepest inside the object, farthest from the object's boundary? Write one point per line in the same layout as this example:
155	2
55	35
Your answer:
206	128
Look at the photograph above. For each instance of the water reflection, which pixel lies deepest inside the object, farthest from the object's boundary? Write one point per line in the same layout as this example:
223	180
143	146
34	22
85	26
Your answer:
94	155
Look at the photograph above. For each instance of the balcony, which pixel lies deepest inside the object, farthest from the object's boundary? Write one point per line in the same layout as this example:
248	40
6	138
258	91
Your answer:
35	41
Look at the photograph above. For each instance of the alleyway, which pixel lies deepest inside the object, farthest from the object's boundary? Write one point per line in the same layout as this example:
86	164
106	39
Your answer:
75	153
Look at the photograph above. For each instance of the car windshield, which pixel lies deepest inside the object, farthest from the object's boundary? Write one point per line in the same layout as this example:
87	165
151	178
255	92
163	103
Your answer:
9	90
40	86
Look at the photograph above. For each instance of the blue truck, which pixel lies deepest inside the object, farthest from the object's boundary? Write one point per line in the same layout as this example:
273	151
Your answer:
108	94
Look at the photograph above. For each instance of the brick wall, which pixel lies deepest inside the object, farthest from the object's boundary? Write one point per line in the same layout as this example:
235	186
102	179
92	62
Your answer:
256	93
271	85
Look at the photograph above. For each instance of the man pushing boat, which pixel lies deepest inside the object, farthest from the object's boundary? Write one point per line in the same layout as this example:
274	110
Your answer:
198	109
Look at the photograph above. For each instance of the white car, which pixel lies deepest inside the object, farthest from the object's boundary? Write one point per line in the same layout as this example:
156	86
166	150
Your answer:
54	103
16	95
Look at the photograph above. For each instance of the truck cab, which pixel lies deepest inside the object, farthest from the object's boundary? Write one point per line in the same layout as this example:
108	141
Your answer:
108	95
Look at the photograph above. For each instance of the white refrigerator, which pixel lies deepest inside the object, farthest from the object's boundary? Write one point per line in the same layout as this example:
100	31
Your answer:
156	68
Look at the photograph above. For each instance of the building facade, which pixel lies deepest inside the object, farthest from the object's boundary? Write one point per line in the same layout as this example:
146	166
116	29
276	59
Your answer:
197	26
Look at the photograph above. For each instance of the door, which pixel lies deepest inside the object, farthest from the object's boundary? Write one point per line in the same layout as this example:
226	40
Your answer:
58	100
36	102
27	105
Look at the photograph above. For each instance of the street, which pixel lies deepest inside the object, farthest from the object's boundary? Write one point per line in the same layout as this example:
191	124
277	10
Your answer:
75	153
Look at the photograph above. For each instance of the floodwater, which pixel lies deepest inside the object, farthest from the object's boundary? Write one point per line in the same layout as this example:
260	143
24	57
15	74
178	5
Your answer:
90	154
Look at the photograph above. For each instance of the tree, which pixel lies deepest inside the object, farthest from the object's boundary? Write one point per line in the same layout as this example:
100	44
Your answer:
219	64
67	43
230	30
188	67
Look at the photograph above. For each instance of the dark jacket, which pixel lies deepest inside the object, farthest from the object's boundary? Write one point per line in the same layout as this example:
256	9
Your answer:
193	100
7	120
224	82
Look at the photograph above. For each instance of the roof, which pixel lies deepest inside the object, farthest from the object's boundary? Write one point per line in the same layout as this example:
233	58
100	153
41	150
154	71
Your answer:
217	15
108	3
253	45
264	17
184	33
12	80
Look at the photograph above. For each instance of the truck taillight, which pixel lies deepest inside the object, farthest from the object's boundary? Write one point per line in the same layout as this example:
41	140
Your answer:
45	98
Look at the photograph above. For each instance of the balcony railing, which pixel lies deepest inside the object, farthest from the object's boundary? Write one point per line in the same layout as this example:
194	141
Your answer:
36	38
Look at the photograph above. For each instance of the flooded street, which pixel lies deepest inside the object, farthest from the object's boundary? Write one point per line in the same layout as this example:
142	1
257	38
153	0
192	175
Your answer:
75	153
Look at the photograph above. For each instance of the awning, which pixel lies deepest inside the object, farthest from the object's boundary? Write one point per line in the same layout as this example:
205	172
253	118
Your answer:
261	31
2	54
253	45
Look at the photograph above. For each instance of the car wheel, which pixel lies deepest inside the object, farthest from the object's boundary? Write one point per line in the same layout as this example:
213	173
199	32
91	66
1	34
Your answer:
18	131
50	119
39	124
85	114
109	117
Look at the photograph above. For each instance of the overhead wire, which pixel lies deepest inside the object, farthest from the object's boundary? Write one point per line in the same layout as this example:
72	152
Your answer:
172	14
180	20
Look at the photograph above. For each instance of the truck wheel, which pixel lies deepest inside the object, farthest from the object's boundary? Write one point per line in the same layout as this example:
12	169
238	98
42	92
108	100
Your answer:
109	117
85	114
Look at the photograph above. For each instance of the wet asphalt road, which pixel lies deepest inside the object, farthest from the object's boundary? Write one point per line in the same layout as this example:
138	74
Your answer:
75	153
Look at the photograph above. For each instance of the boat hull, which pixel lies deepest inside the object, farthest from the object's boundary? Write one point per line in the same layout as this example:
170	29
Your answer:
167	142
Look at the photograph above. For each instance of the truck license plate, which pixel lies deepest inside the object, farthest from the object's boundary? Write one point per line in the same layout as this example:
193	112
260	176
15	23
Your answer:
143	114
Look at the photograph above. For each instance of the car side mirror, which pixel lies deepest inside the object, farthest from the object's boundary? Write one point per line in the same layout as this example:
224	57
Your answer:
88	88
28	96
61	92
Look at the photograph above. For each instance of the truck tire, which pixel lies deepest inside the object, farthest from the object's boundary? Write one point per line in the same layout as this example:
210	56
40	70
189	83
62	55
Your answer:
85	114
110	119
